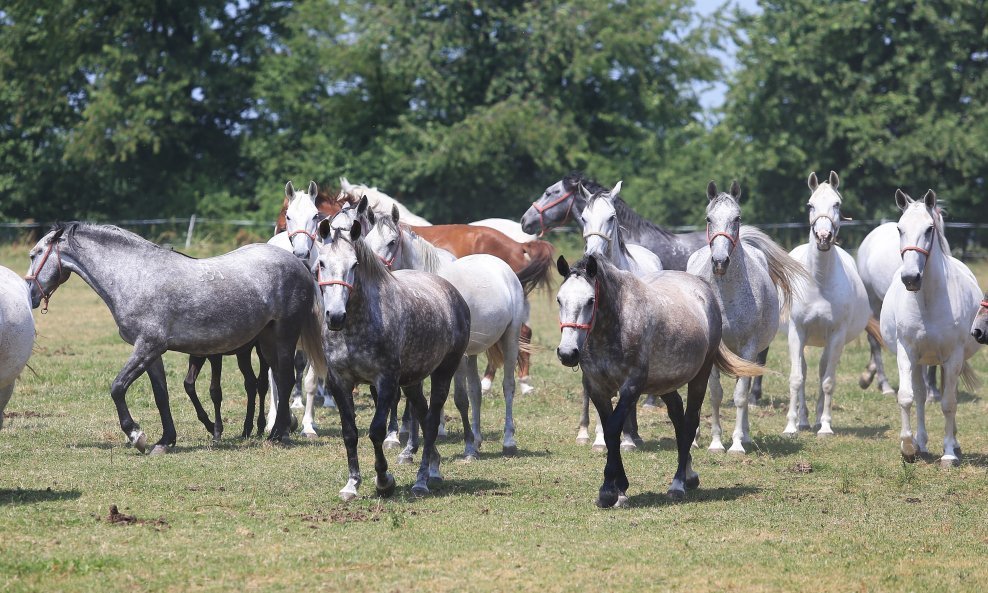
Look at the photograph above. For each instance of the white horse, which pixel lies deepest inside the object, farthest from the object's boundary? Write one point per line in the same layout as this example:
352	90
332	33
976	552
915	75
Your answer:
511	228
16	332
748	273
926	319
380	202
878	262
498	308
828	311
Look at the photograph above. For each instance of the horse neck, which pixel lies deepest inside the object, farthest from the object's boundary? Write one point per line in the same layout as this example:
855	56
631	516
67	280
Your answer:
609	296
420	254
937	269
821	264
102	265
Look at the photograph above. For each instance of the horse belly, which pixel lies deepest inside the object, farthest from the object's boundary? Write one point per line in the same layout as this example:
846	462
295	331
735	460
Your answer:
16	328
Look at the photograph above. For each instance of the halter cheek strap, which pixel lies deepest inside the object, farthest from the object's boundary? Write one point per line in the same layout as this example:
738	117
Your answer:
41	264
593	314
543	209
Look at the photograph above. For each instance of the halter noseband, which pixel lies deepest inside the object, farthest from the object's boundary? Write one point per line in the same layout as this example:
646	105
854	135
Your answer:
593	314
322	282
542	210
728	236
388	262
303	232
919	249
34	277
984	303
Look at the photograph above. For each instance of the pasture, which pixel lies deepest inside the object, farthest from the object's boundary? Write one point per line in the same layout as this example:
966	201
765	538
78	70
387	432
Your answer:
835	514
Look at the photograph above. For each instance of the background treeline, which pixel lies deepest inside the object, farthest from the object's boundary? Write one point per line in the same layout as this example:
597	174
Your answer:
116	109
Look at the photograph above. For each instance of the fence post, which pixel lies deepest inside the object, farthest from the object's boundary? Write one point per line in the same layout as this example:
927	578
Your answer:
188	235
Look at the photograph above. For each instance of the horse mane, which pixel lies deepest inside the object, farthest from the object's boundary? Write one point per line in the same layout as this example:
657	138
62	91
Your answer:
620	234
110	234
429	253
632	221
370	265
607	273
938	224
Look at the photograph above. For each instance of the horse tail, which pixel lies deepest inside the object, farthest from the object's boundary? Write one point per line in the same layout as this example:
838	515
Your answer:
969	377
786	273
311	338
538	272
875	331
730	363
495	356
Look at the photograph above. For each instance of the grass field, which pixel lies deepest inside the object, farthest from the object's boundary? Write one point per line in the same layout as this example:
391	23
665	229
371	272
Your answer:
838	514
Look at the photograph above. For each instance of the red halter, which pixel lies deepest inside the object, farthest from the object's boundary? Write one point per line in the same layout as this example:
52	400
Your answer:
589	325
919	249
322	282
34	277
731	238
984	303
543	209
391	260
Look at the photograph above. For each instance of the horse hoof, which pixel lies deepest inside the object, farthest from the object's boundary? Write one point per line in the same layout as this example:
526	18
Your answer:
716	447
865	380
470	457
804	427
297	403
159	449
139	441
392	443
293	423
638	441
388	488
421	490
627	447
737	449
622	502
509	450
829	432
948	461
599	448
649	406
908	449
607	500
890	392
582	440
485	385
676	495
347	496
310	434
405	460
693	482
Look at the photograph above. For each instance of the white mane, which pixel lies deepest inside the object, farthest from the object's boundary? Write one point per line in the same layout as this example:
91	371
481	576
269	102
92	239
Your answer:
381	202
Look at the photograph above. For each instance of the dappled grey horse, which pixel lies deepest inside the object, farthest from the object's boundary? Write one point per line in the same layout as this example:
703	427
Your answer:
629	335
163	300
390	331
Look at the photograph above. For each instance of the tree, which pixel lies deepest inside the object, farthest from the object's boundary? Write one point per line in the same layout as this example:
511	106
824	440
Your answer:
889	94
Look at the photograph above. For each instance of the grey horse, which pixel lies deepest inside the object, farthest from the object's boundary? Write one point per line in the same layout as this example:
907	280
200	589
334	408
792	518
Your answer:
390	331
163	300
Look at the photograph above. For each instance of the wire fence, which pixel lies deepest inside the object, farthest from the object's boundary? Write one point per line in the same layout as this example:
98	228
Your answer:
967	240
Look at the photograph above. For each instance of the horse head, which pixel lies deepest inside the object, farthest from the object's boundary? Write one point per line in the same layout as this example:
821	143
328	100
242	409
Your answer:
600	222
45	272
979	329
551	210
336	270
723	225
385	236
577	299
920	230
824	210
302	218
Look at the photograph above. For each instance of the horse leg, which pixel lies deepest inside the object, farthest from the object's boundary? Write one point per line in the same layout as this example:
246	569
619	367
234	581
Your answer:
613	492
348	430
489	374
756	383
950	371
462	401
828	383
216	393
797	382
250	387
156	373
742	431
263	386
875	369
716	397
309	382
273	403
930	378
582	436
509	345
684	475
300	363
416	410
921	396
195	367
630	439
387	392
524	360
695	391
472	384
281	357
135	366
910	381
440	379
392	441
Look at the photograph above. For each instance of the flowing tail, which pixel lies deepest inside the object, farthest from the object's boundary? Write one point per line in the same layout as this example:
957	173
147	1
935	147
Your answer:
538	271
787	274
969	377
730	363
311	338
875	331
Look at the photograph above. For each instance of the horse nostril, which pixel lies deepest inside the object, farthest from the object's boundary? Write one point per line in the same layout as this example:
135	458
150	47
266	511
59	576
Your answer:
977	333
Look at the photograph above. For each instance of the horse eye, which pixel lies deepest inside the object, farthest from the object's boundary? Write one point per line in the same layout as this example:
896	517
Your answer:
708	220
737	220
592	300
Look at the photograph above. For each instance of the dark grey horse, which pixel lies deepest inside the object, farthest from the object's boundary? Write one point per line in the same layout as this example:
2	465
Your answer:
163	300
628	334
391	331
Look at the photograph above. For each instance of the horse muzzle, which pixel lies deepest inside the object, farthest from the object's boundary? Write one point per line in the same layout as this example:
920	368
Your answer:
335	321
530	224
913	281
980	336
824	240
568	356
720	266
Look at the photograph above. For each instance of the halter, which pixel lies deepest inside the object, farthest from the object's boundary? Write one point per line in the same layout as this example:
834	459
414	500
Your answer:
41	265
728	236
984	303
303	232
919	249
322	282
388	262
598	234
832	221
543	209
593	314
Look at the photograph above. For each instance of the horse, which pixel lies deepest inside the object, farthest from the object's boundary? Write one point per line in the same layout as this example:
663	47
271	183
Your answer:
380	202
163	300
510	228
16	332
630	334
751	277
602	237
829	310
927	317
462	240
498	309
391	331
878	260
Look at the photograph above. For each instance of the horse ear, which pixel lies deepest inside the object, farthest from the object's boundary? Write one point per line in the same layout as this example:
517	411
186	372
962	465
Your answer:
325	227
371	217
355	232
616	190
394	213
57	235
902	199
736	191
930	198
591	266
812	182
585	192
289	190
562	266
344	185
711	190
313	190
362	205
834	179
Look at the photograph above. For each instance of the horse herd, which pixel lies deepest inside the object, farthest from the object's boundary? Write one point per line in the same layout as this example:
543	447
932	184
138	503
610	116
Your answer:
365	297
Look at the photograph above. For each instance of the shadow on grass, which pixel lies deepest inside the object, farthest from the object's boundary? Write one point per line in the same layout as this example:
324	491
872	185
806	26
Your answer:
877	432
780	446
660	499
19	496
470	487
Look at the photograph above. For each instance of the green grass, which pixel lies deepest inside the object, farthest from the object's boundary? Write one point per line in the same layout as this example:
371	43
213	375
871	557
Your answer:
254	517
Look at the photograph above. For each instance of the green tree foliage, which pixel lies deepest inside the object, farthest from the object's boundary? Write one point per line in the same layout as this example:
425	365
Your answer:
136	108
469	109
889	94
